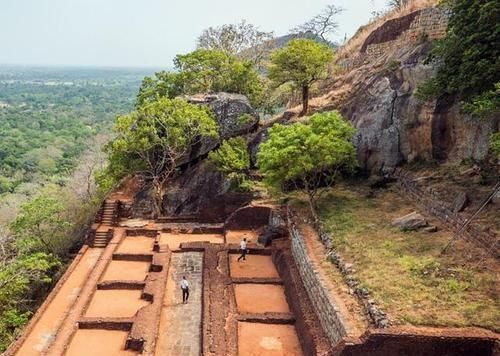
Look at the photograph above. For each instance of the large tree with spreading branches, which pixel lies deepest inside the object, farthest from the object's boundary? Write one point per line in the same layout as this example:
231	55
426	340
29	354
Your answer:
156	138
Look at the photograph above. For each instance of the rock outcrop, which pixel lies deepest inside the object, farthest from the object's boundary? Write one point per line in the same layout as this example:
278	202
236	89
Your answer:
395	126
410	222
203	192
377	92
199	189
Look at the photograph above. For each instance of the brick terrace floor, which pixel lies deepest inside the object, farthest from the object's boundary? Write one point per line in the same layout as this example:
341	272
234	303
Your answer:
180	324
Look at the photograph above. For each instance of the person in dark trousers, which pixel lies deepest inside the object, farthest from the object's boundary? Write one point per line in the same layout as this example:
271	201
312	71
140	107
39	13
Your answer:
185	290
243	249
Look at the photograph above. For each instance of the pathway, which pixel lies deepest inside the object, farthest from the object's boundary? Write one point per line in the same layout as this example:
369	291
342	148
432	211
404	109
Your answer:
180	324
44	330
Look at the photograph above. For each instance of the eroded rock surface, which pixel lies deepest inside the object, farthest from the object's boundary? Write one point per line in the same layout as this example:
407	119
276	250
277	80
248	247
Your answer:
412	221
234	115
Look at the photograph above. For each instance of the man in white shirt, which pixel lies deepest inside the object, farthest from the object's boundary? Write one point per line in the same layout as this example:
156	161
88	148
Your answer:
185	290
243	249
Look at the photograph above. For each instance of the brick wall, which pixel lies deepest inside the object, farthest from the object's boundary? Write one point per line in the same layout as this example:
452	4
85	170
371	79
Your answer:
473	233
317	290
430	22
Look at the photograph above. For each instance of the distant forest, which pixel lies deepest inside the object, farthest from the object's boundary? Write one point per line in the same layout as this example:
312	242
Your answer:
47	117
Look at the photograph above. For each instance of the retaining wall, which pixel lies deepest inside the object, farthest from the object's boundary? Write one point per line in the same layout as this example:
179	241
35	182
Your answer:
317	289
452	220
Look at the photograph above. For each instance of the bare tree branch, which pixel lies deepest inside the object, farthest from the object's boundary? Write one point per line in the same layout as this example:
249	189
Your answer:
322	25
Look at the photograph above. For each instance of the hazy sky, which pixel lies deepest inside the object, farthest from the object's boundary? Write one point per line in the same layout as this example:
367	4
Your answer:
143	32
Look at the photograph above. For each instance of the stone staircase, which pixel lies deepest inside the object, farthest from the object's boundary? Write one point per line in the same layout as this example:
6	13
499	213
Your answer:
108	212
101	239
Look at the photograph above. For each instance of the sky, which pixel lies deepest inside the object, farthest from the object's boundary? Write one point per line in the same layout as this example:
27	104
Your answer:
144	33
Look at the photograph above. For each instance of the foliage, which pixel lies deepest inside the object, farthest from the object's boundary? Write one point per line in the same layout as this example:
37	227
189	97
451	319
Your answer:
495	144
155	138
52	123
20	278
245	119
40	226
242	39
322	25
308	155
470	54
485	104
48	119
232	159
204	71
393	65
302	62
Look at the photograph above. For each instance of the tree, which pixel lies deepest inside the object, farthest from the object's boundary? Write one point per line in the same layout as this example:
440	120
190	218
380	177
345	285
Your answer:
203	71
398	4
308	156
469	56
243	39
302	62
321	25
42	226
20	279
232	159
154	139
162	85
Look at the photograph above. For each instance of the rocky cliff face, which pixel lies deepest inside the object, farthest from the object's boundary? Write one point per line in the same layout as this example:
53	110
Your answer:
376	91
395	127
199	189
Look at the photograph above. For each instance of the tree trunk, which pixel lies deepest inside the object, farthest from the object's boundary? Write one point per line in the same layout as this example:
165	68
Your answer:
305	100
158	197
312	206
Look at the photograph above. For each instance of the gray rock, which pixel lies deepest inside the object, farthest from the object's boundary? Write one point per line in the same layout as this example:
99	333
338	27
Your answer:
410	222
394	126
229	109
496	198
430	229
460	203
270	233
199	191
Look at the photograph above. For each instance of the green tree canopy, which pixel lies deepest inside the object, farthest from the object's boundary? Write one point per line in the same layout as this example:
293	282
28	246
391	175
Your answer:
154	139
19	278
204	71
41	226
470	53
301	62
232	159
309	155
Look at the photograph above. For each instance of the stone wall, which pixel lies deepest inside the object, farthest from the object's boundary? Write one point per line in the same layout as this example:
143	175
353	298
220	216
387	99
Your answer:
430	23
446	215
323	304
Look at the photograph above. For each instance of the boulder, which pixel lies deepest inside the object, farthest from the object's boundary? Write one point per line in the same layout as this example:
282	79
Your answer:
460	203
430	229
233	112
410	222
234	115
496	198
270	233
203	192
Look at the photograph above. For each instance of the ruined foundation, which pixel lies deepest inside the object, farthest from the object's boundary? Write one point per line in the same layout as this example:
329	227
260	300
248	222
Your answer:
123	298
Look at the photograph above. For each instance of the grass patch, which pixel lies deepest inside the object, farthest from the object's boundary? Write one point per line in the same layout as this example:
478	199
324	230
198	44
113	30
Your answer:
404	270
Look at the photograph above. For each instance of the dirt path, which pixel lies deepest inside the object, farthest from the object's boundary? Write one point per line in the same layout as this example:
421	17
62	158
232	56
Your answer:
180	324
44	330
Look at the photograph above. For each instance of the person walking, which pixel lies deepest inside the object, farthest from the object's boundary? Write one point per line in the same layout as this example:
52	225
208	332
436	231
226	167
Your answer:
185	290
243	249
